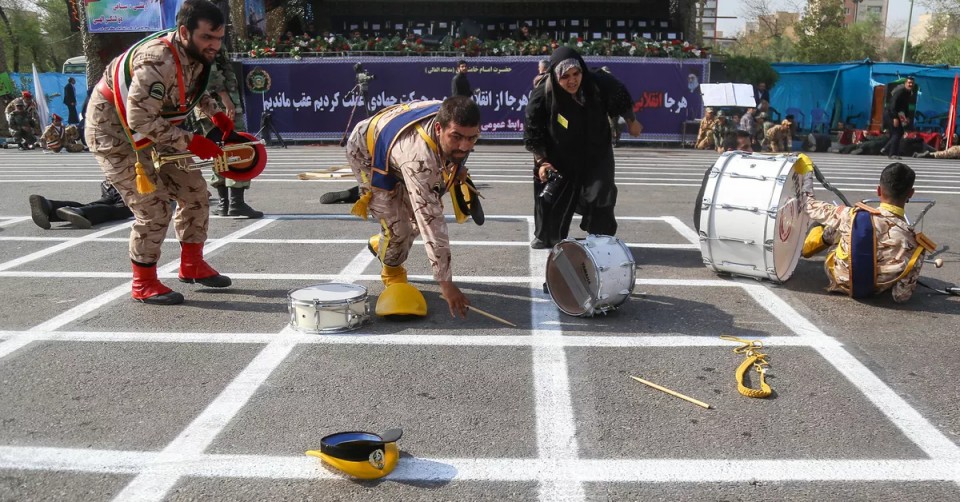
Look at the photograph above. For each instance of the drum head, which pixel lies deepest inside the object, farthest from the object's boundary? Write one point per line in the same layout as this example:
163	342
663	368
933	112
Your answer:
333	293
572	278
791	225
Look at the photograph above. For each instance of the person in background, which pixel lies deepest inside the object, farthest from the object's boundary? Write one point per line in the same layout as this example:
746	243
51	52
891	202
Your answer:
57	138
70	101
542	68
460	86
895	115
705	137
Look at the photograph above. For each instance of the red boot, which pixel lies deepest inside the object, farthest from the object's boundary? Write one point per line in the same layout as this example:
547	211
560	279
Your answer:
193	269
148	289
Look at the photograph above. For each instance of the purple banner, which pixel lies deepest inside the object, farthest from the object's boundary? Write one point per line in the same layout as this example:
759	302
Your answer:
313	98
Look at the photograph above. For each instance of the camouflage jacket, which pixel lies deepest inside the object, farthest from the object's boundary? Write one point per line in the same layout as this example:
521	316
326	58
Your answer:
154	90
418	168
896	243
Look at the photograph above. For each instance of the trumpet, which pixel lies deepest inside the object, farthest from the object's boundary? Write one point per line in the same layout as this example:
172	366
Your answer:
241	160
235	155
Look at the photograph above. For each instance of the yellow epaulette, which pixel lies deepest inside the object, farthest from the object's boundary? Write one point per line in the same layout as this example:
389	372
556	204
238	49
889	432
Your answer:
869	209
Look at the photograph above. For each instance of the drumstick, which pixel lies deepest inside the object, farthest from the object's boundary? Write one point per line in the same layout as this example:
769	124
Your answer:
487	314
672	393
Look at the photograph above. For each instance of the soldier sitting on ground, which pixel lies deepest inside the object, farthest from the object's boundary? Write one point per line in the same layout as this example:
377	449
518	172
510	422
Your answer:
22	126
58	138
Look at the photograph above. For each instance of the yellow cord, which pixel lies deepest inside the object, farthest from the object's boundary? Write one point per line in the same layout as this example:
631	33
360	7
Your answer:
144	185
755	359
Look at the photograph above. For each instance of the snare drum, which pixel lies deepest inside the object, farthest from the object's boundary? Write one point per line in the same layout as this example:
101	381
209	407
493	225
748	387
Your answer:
328	308
590	276
752	217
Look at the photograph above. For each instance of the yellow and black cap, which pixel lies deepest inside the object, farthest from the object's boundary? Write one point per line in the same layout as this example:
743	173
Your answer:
466	201
363	455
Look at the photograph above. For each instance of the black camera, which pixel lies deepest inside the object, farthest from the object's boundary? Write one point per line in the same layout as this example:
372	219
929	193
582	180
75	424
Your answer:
551	187
363	76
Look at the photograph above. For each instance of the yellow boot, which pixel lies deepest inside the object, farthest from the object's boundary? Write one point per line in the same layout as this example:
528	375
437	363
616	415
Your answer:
814	243
399	297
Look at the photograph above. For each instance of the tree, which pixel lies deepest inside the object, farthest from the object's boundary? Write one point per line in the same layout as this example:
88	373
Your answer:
823	38
942	43
770	36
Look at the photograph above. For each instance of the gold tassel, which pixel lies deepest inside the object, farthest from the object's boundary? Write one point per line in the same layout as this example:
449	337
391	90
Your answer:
360	207
144	185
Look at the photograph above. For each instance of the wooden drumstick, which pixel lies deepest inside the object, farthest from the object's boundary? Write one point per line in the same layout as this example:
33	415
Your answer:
487	314
671	392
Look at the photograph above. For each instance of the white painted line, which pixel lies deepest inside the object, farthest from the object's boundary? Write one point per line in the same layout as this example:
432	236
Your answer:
485	469
359	338
357	265
687	232
60	247
11	345
555	424
154	483
913	425
6	222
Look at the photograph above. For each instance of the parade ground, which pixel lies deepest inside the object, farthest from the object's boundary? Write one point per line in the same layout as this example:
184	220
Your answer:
104	398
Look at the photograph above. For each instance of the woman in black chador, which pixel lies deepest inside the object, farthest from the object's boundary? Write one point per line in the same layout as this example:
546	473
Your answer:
568	131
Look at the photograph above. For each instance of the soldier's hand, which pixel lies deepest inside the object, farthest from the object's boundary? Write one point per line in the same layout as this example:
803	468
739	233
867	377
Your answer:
635	128
224	123
204	148
456	300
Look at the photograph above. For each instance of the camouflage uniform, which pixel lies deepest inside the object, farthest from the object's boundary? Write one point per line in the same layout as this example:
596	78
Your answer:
705	139
779	137
414	206
33	116
950	153
57	138
153	89
23	128
896	243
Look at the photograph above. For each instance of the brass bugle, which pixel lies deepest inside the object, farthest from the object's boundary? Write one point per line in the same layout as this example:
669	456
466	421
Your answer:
181	159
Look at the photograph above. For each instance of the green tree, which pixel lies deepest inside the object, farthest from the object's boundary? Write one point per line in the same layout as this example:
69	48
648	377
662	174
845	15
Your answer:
823	38
942	43
750	70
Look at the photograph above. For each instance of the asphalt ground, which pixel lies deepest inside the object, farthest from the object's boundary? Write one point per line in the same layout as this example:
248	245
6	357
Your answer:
217	399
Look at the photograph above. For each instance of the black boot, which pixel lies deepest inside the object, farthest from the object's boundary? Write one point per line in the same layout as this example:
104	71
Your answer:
75	216
240	208
223	205
40	209
349	196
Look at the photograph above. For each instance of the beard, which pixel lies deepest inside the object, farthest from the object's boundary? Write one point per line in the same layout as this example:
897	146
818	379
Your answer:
194	52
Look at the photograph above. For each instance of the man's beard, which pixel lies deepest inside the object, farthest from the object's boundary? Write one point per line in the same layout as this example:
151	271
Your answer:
191	49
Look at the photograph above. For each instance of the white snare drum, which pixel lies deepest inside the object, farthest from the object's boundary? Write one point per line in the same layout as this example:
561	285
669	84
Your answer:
590	276
328	308
752	218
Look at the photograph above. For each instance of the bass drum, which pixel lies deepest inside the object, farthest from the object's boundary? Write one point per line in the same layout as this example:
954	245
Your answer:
590	276
752	217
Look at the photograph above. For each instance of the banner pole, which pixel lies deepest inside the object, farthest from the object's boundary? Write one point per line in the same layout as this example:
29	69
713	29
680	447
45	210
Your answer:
952	115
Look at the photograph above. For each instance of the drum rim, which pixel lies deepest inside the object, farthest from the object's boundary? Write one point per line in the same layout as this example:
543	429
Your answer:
340	301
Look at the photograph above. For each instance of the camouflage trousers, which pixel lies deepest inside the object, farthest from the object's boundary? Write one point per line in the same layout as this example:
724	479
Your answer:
70	147
950	153
152	211
398	227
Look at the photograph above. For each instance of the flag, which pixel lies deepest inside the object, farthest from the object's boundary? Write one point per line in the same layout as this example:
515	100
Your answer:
42	110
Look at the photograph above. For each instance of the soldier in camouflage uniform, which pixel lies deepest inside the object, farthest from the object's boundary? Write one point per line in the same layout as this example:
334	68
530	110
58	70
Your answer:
780	137
22	126
223	84
420	159
56	137
143	95
950	153
705	139
896	242
30	106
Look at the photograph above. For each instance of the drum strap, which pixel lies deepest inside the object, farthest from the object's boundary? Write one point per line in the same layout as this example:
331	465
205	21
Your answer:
755	359
863	255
